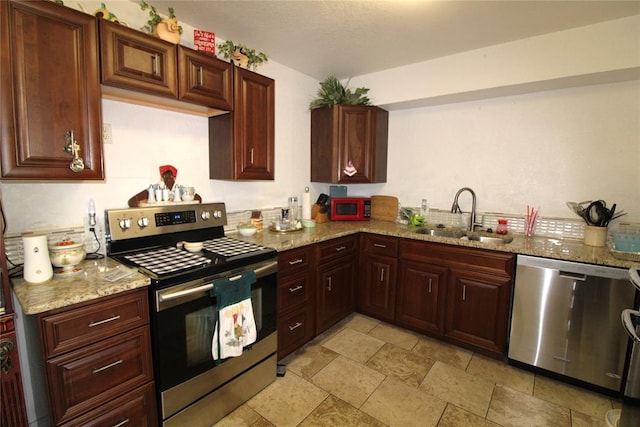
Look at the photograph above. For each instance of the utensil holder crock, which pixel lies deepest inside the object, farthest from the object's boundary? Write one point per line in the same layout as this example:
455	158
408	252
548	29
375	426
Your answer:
595	236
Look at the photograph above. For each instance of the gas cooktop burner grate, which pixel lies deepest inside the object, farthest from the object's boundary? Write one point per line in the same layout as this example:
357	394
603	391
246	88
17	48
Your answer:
227	246
167	260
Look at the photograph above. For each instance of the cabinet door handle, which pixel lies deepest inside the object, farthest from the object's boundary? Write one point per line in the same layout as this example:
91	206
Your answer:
329	283
154	68
295	261
379	245
297	288
100	322
464	292
200	76
340	248
430	281
72	147
296	326
110	365
382	275
123	422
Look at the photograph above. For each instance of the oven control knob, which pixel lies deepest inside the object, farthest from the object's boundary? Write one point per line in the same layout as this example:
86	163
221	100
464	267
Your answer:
205	215
143	222
217	214
125	223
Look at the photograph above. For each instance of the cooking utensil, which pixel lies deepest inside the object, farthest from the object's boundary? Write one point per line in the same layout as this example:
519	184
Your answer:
578	208
597	214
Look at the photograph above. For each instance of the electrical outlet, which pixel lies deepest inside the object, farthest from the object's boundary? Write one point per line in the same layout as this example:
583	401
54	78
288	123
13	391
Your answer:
107	136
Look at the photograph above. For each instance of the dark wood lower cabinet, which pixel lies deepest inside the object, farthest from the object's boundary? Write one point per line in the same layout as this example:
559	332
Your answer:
420	297
457	294
12	404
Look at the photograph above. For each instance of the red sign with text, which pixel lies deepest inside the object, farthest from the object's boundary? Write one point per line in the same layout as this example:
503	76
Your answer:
205	41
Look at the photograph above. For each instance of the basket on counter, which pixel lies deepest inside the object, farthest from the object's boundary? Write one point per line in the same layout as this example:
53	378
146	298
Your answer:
625	246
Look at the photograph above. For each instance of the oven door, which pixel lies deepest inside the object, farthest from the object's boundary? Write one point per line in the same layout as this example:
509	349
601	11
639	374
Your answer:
184	321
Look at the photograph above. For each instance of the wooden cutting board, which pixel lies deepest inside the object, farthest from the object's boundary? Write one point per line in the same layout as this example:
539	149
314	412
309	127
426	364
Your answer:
384	208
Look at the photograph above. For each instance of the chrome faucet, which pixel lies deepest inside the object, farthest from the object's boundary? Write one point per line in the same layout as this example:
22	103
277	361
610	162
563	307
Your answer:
455	208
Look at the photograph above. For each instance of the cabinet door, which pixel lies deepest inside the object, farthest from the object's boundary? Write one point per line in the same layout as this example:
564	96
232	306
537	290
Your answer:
241	143
50	92
421	297
478	311
133	60
12	405
349	133
204	79
378	286
336	283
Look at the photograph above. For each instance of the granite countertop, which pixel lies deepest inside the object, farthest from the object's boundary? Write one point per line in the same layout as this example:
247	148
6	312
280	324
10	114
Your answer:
557	248
86	286
90	285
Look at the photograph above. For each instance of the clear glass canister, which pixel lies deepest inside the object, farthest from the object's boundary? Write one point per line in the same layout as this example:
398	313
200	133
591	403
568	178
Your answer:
294	210
502	227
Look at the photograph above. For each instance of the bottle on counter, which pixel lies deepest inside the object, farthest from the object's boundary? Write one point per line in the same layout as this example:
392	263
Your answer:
502	227
294	213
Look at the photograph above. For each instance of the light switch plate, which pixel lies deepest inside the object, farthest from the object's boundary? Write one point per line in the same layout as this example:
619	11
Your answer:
107	136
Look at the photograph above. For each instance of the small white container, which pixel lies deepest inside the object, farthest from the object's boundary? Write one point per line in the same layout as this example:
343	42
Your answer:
247	230
595	236
193	246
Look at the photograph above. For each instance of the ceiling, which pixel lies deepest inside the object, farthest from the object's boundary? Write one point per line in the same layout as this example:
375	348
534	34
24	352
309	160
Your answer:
356	37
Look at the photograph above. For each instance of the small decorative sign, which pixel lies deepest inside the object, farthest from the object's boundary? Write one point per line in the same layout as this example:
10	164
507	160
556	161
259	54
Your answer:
205	41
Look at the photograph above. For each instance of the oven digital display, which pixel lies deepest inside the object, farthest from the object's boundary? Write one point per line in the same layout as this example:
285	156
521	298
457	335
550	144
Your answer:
174	218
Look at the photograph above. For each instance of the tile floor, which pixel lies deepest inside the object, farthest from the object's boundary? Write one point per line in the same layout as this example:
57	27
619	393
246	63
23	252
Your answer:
364	372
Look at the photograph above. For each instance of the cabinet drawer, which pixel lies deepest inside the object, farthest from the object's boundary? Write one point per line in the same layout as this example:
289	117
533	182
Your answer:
381	245
86	378
294	290
84	325
294	260
336	248
294	330
135	409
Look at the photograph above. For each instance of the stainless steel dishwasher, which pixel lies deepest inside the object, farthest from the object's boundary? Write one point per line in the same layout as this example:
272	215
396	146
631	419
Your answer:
566	319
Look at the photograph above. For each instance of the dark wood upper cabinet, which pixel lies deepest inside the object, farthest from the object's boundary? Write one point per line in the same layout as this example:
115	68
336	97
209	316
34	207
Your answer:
133	60
49	80
204	79
241	143
349	133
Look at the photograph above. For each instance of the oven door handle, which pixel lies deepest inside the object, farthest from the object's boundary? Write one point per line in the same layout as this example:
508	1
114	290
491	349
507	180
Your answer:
179	294
271	267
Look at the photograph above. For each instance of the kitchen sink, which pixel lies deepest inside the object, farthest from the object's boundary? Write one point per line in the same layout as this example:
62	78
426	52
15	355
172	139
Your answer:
488	239
456	233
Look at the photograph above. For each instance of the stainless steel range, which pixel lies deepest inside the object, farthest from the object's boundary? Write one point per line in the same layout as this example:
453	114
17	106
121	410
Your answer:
194	389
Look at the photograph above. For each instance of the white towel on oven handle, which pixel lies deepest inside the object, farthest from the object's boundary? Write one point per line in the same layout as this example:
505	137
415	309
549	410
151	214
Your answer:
236	329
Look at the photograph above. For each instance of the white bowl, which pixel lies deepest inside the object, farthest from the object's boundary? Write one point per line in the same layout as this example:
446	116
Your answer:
67	254
193	246
247	231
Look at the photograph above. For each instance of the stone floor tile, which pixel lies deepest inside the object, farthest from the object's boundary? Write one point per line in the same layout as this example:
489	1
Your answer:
511	408
307	361
580	399
394	335
334	412
348	380
403	364
397	404
448	353
501	373
458	387
354	345
288	400
458	417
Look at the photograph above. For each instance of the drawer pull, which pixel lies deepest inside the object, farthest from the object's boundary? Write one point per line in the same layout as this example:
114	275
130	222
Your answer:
379	245
295	261
123	422
464	292
340	248
382	275
100	322
329	283
430	280
296	326
297	288
110	365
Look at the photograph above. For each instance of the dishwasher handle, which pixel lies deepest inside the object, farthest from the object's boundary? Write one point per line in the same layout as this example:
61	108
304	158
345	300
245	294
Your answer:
629	323
634	277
